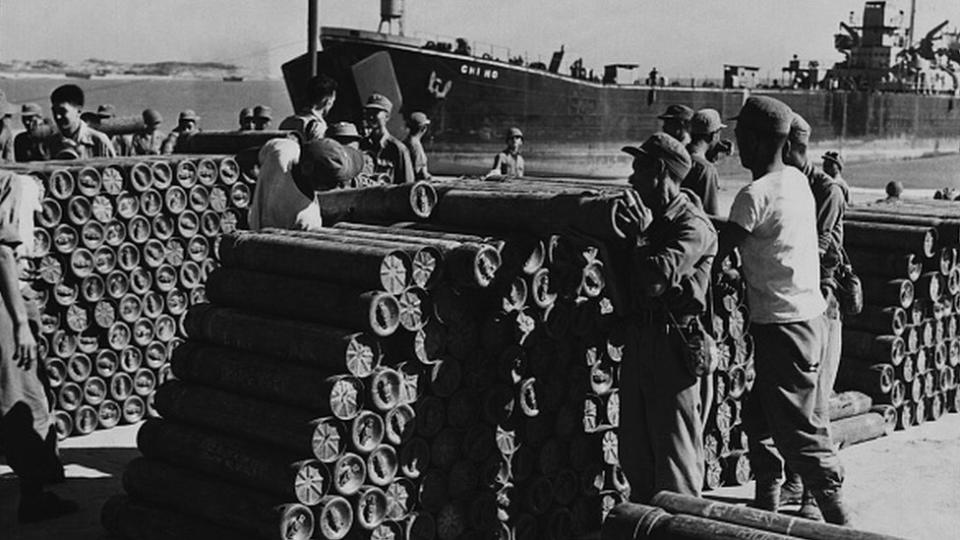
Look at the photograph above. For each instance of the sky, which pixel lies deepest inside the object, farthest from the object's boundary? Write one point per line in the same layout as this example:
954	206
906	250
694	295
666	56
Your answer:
682	38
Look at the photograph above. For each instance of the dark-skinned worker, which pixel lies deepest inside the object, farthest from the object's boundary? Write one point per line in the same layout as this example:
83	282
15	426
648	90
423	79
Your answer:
772	222
262	117
705	127
509	163
246	119
148	142
310	121
676	122
391	159
26	427
831	198
30	145
833	165
188	122
290	175
661	431
418	124
74	136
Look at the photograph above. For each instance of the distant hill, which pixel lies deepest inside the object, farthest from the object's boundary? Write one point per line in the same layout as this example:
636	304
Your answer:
96	67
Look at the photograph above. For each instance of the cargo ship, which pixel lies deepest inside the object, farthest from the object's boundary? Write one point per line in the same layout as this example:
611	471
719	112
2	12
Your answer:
889	87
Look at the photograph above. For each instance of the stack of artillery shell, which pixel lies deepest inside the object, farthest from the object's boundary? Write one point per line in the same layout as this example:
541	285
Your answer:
454	374
903	350
121	250
683	517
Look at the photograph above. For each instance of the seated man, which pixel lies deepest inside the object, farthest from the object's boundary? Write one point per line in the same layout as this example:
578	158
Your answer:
75	136
290	174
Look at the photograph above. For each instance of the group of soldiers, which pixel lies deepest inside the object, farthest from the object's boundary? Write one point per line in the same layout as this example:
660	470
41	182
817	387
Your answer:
787	226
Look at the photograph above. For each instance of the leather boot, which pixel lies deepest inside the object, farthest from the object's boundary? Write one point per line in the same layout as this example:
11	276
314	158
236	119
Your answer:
791	491
809	508
767	495
831	505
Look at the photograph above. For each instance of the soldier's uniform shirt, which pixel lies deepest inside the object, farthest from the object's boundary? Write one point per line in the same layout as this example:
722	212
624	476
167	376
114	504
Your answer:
147	144
661	435
704	180
508	164
277	201
419	157
86	142
391	158
310	126
831	196
29	148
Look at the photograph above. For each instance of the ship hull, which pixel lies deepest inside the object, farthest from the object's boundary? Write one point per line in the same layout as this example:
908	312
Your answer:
574	126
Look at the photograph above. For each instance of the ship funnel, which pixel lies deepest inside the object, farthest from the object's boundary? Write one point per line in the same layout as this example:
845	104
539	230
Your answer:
391	10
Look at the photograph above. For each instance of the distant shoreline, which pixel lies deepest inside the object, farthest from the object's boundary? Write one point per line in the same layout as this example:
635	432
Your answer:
84	76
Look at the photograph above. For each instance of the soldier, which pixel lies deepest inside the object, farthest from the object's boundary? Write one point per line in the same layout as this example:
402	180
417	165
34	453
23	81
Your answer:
894	190
676	122
310	122
509	163
771	223
30	145
187	123
290	175
831	197
26	429
833	165
149	142
74	136
418	123
391	158
345	133
703	179
262	117
661	433
246	119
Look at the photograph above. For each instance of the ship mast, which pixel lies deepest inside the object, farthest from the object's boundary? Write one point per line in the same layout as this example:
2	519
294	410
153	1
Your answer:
313	17
913	14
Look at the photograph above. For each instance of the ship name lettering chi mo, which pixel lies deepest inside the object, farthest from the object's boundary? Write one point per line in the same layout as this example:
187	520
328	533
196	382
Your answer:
477	71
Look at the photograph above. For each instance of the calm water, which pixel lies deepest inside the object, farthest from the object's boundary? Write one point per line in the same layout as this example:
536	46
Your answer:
217	102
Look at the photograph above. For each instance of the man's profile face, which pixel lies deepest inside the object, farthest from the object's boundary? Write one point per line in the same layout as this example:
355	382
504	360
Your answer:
30	123
67	117
645	179
329	104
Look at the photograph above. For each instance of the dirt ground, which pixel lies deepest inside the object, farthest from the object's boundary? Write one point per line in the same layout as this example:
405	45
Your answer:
907	484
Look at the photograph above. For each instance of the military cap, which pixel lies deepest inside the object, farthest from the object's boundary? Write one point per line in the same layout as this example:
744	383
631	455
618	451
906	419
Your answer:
894	188
765	114
665	148
334	163
706	121
835	157
343	130
30	109
418	119
246	113
379	102
799	130
152	117
189	114
263	112
677	112
513	132
106	111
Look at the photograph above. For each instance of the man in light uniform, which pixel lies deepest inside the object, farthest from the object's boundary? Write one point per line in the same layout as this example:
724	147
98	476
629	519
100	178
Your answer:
291	174
772	222
661	433
509	163
149	142
75	137
310	122
391	159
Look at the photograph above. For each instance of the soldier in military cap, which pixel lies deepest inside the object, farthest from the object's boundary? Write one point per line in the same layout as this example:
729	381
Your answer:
703	180
187	123
149	142
30	145
390	156
345	133
833	164
509	163
771	222
418	123
246	119
676	122
262	117
661	431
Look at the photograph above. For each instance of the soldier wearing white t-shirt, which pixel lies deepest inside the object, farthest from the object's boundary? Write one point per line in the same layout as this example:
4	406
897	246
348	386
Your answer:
772	221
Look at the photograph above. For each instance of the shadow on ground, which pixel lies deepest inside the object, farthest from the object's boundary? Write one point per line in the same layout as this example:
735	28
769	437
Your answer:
93	476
